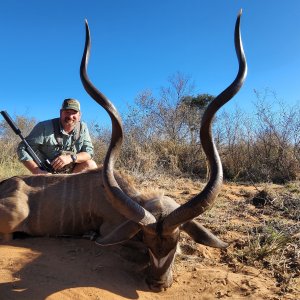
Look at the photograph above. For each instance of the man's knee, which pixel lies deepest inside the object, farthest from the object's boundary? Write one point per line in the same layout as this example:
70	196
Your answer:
91	164
85	166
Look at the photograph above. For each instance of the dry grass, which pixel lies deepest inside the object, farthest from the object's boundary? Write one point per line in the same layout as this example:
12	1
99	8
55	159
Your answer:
261	223
12	168
266	227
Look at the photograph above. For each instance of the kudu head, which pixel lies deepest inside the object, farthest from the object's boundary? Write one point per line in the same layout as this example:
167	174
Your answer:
160	219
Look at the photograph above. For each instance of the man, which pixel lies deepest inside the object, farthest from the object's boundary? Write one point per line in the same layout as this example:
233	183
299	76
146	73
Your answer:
64	141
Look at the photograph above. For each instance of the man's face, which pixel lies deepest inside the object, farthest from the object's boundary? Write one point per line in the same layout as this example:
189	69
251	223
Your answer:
69	118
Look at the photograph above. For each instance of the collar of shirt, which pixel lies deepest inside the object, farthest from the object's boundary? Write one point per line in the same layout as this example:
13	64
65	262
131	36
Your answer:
62	131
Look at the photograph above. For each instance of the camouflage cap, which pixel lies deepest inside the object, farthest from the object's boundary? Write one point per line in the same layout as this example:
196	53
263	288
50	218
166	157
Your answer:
71	103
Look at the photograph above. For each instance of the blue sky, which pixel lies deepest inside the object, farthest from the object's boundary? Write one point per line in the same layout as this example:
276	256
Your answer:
137	45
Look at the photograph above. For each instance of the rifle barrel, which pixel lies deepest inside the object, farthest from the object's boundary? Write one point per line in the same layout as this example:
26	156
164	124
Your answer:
10	122
42	165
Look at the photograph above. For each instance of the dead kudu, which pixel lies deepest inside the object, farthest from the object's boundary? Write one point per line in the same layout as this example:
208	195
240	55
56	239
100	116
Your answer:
100	200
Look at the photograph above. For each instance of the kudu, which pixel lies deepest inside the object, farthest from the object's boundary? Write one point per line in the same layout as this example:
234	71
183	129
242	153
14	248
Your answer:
101	200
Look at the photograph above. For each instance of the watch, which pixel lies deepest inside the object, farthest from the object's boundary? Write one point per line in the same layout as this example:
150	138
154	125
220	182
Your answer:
74	157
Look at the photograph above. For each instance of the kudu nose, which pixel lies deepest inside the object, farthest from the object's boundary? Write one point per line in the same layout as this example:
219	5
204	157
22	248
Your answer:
157	285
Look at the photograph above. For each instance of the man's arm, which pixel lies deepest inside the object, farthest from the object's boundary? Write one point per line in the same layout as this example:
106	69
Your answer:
65	159
82	157
33	139
87	146
33	167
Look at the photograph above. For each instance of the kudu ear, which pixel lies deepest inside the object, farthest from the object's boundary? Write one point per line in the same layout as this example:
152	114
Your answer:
122	233
201	235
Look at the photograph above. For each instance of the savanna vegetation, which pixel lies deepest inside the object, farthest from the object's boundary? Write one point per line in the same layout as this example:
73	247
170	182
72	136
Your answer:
162	136
260	152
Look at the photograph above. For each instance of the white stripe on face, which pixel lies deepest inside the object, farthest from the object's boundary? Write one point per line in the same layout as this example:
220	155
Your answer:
159	263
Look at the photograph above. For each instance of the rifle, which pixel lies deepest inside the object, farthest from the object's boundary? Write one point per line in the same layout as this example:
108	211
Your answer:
43	165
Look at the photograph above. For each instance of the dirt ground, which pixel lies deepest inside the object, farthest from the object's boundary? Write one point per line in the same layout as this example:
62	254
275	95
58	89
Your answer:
72	268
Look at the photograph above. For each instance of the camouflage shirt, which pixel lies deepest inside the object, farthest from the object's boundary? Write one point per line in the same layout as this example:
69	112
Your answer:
42	140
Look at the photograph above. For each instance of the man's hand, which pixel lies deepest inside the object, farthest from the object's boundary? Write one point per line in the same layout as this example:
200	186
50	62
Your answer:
61	161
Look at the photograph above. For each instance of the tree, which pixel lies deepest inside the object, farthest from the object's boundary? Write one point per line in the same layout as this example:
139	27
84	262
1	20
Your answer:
195	107
167	127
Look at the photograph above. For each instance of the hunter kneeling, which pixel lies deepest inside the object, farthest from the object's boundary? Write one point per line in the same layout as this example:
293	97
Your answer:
64	141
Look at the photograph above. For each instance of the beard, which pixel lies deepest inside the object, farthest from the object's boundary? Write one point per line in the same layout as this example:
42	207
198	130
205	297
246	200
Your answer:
69	121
